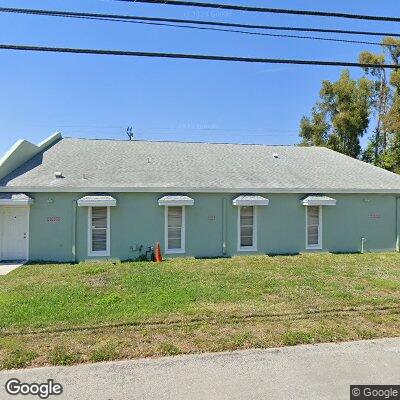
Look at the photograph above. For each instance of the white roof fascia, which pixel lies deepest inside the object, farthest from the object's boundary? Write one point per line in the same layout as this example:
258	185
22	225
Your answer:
144	189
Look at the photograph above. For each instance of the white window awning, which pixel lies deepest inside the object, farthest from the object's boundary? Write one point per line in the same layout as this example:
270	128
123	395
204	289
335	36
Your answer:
15	199
175	200
97	201
249	200
318	200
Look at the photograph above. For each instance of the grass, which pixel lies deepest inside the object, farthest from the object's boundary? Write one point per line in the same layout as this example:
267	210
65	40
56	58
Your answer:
64	314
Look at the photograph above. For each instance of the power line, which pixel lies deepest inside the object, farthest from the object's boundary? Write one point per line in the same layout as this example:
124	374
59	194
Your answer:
220	130
131	18
67	14
175	129
286	36
215	134
194	56
266	10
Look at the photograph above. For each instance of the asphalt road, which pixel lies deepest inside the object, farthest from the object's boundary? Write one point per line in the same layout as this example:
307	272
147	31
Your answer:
307	372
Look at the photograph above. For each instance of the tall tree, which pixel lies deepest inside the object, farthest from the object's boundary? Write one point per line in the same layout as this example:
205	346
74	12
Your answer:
383	148
379	99
392	118
391	158
315	130
340	117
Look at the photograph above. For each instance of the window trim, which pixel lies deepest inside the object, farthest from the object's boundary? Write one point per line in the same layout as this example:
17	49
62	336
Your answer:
107	252
319	245
183	232
247	248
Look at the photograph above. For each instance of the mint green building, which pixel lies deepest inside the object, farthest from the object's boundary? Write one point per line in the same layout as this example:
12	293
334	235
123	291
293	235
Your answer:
76	199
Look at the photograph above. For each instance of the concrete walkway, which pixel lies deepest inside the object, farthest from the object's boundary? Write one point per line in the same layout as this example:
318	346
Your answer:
322	372
5	267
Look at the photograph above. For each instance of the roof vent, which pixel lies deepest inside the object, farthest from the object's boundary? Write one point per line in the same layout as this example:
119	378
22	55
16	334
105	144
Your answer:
58	174
276	155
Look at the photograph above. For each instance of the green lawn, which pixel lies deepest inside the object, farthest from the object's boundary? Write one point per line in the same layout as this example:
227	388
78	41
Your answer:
64	314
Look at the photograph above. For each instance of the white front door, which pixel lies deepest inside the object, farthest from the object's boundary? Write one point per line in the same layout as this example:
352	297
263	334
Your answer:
14	233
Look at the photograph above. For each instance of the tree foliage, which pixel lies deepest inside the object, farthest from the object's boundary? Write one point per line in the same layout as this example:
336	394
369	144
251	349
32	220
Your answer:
341	116
346	108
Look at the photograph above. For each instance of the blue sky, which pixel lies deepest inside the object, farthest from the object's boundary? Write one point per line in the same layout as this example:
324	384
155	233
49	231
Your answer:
99	96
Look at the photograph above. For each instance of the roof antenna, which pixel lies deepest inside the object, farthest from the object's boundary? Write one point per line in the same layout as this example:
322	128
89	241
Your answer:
129	132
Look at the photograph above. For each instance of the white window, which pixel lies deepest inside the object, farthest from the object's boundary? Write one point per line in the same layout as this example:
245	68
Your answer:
247	228
99	231
175	229
314	227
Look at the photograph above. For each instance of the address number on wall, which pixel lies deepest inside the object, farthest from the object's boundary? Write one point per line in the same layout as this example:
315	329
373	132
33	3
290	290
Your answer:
374	216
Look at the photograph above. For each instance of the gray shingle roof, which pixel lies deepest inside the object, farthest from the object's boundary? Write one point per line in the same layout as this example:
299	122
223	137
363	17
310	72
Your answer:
112	165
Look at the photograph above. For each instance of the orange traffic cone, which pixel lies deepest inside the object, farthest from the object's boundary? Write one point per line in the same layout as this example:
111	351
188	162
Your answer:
158	253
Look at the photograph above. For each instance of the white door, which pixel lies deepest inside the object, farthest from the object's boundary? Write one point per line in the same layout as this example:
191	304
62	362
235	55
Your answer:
15	233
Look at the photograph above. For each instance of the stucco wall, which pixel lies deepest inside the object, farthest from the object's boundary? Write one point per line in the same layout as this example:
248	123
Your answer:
138	220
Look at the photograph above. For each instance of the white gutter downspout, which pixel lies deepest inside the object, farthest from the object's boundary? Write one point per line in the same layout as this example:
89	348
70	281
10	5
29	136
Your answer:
224	211
74	209
398	224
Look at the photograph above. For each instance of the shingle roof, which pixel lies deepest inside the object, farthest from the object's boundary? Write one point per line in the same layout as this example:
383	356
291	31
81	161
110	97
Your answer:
112	165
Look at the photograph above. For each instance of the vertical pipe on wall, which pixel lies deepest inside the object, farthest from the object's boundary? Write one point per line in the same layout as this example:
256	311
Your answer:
398	223
224	210
363	240
74	209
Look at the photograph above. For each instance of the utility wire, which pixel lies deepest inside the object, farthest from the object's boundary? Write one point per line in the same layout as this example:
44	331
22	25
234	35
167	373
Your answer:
129	18
265	34
115	18
195	134
194	56
160	130
235	7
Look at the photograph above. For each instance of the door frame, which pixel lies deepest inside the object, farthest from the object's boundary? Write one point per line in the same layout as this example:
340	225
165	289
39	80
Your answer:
2	226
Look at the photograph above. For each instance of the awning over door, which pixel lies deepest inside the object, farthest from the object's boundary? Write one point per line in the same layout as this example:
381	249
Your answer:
318	200
97	201
15	199
250	200
175	200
